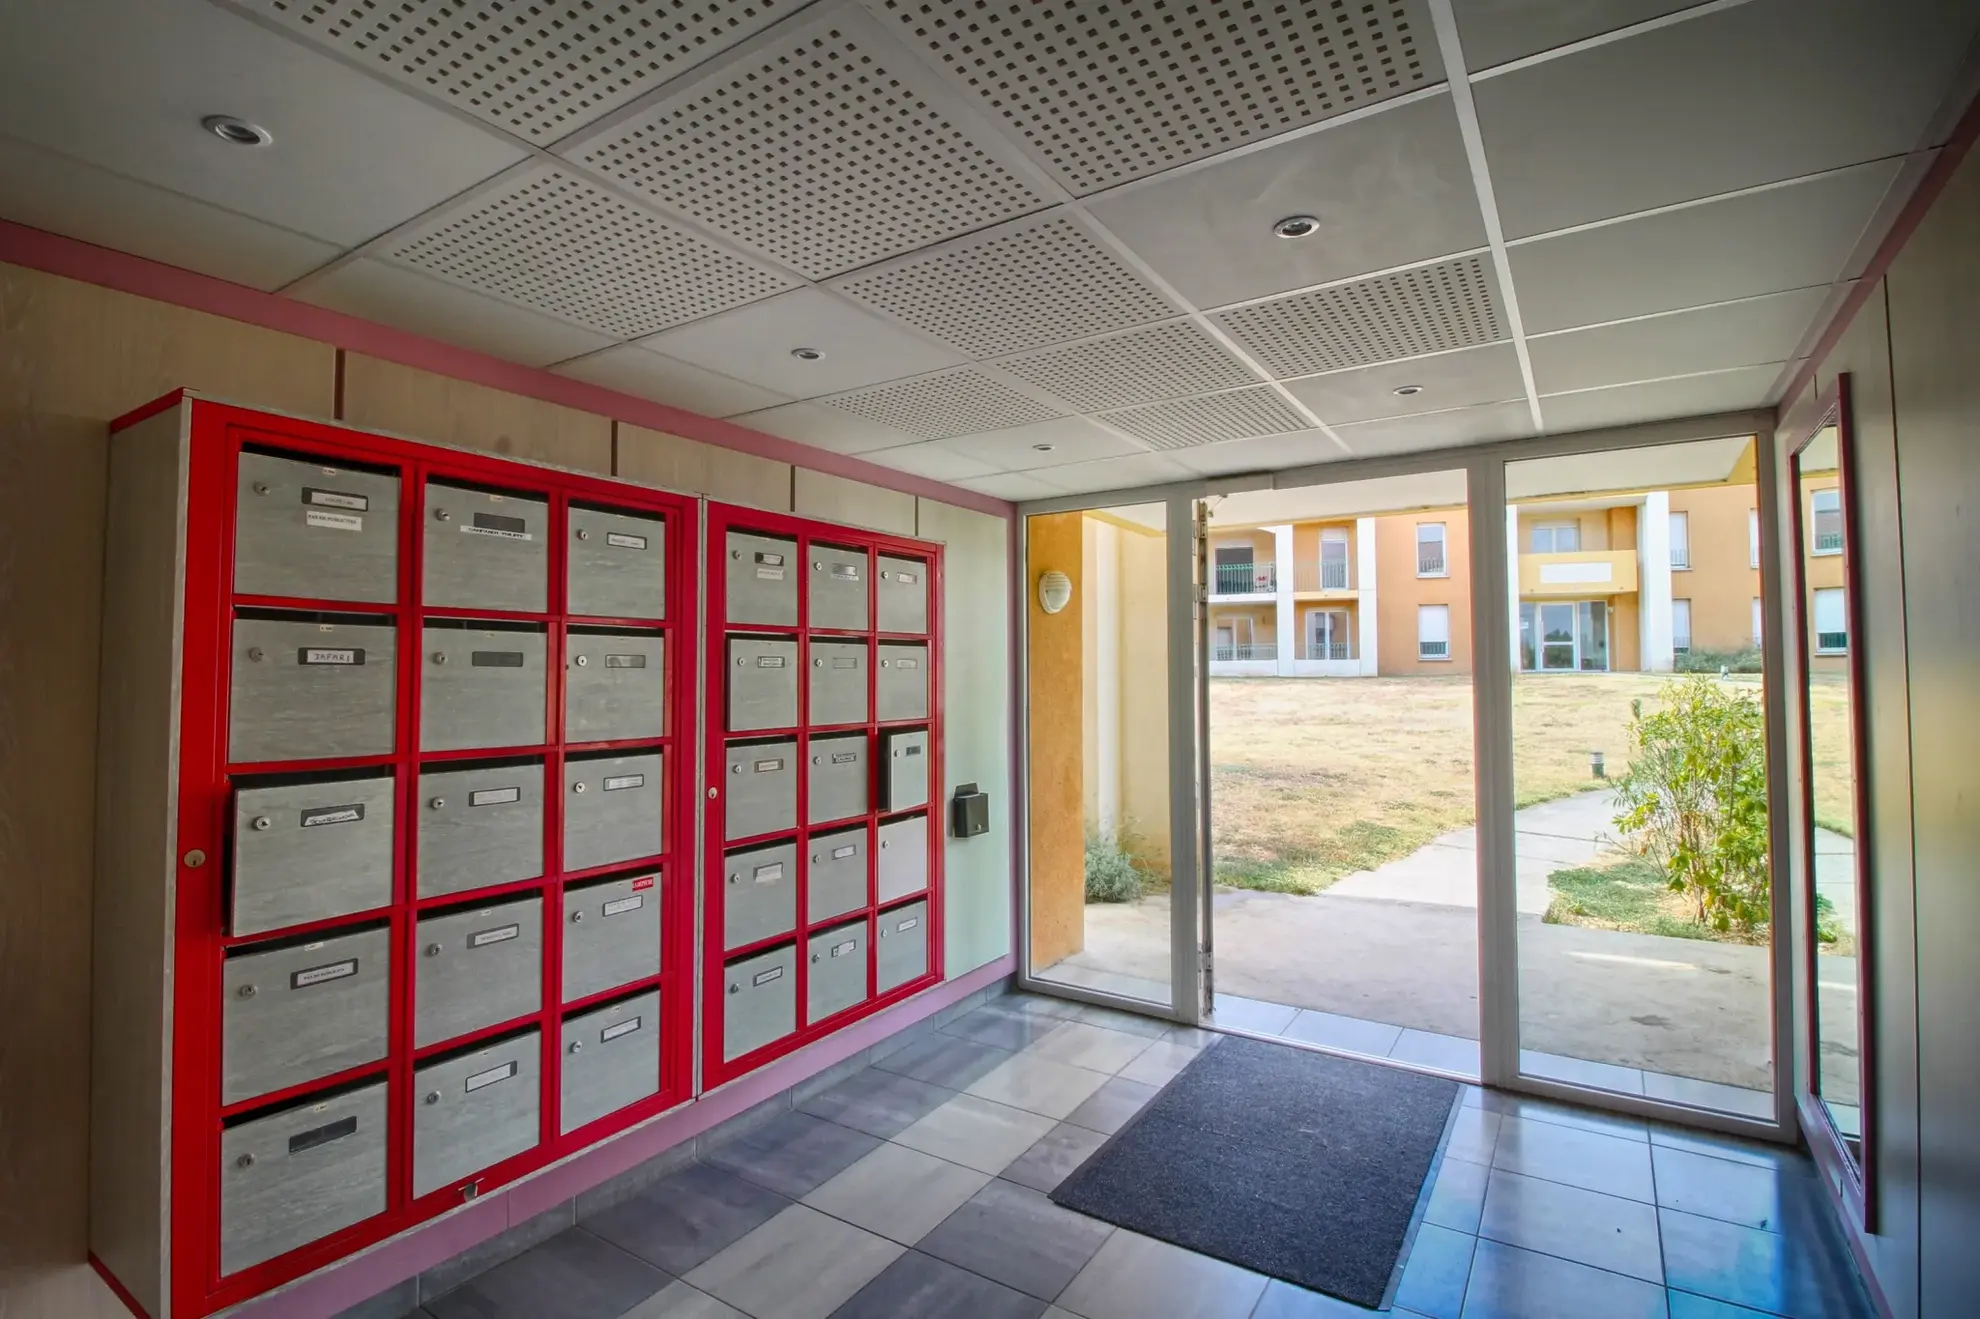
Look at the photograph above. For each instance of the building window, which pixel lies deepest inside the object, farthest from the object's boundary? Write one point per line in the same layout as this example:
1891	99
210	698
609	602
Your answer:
1681	626
1327	636
1556	537
1430	560
1561	636
1333	559
1753	538
1756	621
1831	621
1827	506
1237	572
1433	632
1680	540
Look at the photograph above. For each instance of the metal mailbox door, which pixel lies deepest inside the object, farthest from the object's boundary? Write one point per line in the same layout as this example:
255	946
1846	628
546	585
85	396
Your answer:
611	1060
479	827
612	810
901	686
759	894
297	1175
838	588
485	551
618	564
308	690
837	787
763	684
477	968
902	952
902	593
836	879
837	974
903	867
476	1109
904	770
310	851
760	580
482	687
312	532
611	934
762	789
615	686
759	1001
301	1011
838	683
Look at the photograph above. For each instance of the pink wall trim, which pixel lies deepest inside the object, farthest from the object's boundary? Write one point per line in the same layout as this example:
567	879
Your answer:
337	1289
54	254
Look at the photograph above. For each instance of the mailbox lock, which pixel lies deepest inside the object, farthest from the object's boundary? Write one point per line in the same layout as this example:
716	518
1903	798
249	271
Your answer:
441	515
818	760
245	1161
245	991
263	823
583	534
814	959
577	918
734	878
432	1096
256	654
816	565
439	657
433	950
582	661
735	554
739	661
817	663
577	787
195	859
438	803
883	844
735	989
735	769
577	1046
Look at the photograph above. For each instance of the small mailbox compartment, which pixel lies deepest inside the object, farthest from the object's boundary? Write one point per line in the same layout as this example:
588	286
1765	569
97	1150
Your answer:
477	967
612	809
901	685
903	769
836	877
839	588
902	592
761	580
302	1009
759	1000
761	786
618	564
615	685
311	531
763	683
902	951
309	850
479	826
839	773
611	1059
485	550
474	1109
838	683
296	1175
482	685
311	686
837	974
759	894
903	867
611	934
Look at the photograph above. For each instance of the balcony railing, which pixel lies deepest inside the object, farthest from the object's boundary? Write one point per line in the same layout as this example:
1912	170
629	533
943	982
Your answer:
1245	579
1332	650
1828	541
1267	650
1681	645
1333	577
1430	565
1433	650
1831	642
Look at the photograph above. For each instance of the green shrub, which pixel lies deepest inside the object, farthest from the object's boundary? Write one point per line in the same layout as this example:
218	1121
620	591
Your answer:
1111	874
1715	661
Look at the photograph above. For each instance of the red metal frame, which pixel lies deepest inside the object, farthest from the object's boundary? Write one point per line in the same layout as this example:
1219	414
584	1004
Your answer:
217	433
723	518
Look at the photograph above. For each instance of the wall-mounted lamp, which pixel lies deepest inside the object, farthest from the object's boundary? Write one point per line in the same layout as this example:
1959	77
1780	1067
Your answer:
1054	591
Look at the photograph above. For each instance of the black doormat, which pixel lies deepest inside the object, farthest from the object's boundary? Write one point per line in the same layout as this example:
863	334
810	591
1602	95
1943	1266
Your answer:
1300	1165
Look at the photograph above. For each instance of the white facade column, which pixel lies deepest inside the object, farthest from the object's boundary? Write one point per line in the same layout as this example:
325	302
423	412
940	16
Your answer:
1105	590
1285	618
1653	583
1364	581
1512	580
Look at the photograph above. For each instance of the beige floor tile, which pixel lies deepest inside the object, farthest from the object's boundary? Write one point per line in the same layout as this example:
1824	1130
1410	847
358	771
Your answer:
1038	1085
976	1133
1133	1277
800	1265
1093	1047
899	1193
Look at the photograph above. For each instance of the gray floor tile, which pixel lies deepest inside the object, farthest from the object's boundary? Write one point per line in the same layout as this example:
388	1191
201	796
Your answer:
1002	1028
1789	1275
1038	1085
1135	1277
1474	1135
1709	1095
897	1192
1161	1063
1759	1154
1434	1273
880	1103
1042	1005
916	1286
793	1154
1235	1013
1130	1023
681	1220
1053	1158
800	1265
1559	1114
976	1133
1110	1107
574	1275
1449	1053
1509	1283
1282	1300
1338	1032
680	1301
1019	1238
1737	1192
1602	1231
1457	1195
1588	1159
945	1060
1097	1048
1581	1071
396	1302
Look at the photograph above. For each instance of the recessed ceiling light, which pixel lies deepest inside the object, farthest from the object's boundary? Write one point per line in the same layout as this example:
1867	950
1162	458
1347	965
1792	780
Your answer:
807	354
1407	391
1296	226
1044	448
236	132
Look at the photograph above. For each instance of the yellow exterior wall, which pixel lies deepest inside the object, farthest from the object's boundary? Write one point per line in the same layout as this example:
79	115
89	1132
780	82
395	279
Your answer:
1399	591
1057	765
1721	582
1144	692
1264	622
1306	553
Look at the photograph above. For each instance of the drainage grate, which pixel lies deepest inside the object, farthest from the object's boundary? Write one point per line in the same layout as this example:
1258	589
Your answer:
1431	309
1186	423
939	407
1141	366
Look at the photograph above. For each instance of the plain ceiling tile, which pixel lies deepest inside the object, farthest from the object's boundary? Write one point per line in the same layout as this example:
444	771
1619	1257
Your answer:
1680	343
1011	485
46	190
1438	430
1391	189
1495	31
1660	400
825	427
1071	440
633	370
933	460
754	343
1122	473
411	301
1265	453
124	84
1770	241
1448	380
1753	94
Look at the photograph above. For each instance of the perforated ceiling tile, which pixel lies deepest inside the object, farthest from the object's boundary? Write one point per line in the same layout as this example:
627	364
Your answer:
557	244
1430	309
816	153
940	406
1162	361
1037	284
1188	422
1105	91
539	70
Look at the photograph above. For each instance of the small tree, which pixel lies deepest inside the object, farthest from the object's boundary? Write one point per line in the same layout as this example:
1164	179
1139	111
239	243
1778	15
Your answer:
1694	799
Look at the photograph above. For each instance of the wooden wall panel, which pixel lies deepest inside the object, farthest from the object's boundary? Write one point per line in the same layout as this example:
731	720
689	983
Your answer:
423	406
657	458
834	498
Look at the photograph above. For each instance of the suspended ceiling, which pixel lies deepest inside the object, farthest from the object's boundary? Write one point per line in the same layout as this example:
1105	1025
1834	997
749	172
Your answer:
1032	241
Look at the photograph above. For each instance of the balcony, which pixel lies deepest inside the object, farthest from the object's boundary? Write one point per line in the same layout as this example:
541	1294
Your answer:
1265	650
1577	573
1335	650
1319	578
1244	579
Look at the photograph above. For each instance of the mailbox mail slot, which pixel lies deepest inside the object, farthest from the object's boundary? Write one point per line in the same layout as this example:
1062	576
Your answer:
903	867
611	934
762	789
477	968
837	787
615	686
305	689
902	952
310	851
838	683
759	894
837	974
611	1059
485	551
479	826
903	769
618	564
296	1176
759	1000
836	877
838	587
611	809
482	687
475	1109
761	580
303	1010
902	593
313	532
901	686
763	684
